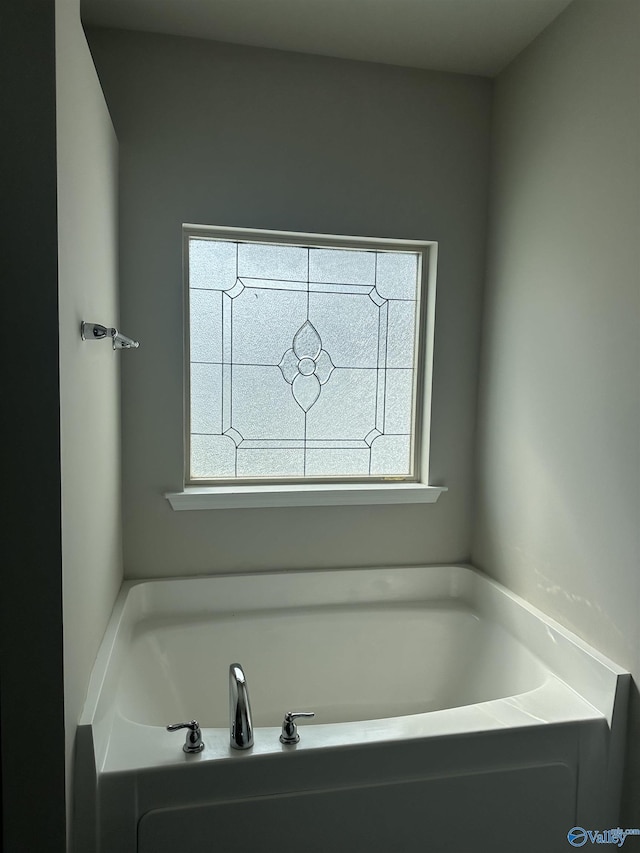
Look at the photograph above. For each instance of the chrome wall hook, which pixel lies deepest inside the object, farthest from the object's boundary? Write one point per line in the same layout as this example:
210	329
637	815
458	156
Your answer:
96	331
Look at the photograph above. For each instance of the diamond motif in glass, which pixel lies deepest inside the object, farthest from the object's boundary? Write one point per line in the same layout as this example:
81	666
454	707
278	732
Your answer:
306	366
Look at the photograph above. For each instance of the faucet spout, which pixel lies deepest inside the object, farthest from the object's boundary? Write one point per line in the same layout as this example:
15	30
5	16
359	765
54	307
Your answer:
240	724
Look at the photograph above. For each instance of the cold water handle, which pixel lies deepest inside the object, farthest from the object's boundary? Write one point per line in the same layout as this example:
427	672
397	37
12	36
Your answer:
193	742
289	733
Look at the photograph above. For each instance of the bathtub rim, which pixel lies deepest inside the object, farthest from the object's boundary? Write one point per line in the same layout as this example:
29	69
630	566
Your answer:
587	671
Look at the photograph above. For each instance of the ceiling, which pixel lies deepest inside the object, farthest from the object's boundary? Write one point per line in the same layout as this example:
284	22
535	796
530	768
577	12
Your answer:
464	36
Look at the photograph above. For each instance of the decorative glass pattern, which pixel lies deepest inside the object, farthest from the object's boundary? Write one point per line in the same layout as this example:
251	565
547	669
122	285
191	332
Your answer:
303	360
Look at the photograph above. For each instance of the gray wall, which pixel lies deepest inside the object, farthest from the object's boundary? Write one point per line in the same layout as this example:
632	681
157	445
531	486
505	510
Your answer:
89	372
225	135
31	673
558	501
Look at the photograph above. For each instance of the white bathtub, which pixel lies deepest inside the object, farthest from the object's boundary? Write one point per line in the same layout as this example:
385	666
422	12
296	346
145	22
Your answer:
450	715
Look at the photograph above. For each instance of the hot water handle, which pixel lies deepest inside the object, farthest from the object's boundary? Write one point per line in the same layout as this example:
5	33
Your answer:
193	742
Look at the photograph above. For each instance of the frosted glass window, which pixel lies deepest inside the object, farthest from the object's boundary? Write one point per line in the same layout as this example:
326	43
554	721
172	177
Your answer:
303	357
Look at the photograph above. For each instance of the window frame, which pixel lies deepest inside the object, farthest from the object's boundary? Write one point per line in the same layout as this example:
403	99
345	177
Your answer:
320	490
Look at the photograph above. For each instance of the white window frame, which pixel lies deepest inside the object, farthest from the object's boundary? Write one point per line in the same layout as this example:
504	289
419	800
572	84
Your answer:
327	491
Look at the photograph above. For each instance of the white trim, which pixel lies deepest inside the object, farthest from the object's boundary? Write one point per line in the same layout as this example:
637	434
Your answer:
302	494
294	238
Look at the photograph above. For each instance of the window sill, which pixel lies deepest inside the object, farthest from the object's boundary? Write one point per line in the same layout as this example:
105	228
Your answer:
318	494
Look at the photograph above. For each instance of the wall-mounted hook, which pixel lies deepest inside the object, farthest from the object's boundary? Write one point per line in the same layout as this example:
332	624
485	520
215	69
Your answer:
95	332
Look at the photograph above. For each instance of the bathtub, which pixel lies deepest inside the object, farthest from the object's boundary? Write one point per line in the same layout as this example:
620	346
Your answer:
450	716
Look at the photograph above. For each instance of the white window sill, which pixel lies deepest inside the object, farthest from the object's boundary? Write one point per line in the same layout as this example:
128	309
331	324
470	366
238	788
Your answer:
317	494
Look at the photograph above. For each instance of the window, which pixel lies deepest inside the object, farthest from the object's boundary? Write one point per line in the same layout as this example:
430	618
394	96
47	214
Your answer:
305	357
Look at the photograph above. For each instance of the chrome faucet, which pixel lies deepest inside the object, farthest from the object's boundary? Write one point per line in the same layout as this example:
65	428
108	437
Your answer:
240	725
